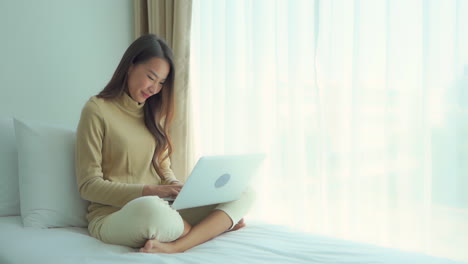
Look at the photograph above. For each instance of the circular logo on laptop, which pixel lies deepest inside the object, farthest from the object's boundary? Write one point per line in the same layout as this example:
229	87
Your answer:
222	180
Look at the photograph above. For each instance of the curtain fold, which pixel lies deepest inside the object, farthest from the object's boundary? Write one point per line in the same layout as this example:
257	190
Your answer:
171	20
361	107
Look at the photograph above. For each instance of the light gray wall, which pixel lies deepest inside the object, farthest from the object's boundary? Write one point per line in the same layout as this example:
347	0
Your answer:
55	54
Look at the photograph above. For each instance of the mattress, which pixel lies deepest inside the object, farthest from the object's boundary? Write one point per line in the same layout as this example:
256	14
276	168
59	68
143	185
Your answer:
256	243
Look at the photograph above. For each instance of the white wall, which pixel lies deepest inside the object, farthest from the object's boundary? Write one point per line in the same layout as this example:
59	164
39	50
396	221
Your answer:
55	54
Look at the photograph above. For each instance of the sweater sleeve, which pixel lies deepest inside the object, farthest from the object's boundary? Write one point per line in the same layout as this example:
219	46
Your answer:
167	172
88	163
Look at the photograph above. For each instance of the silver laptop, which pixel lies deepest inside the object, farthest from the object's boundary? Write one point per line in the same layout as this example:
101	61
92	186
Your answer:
217	179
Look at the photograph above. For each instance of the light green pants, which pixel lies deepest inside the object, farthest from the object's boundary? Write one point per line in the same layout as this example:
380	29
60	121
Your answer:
150	217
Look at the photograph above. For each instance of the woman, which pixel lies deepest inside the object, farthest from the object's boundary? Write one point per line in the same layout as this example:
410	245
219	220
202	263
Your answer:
123	166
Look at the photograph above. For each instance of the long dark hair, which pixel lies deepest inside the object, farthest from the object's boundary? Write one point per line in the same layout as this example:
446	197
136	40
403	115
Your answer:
159	108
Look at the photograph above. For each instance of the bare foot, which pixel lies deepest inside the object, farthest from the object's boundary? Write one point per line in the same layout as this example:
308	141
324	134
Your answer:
154	246
239	225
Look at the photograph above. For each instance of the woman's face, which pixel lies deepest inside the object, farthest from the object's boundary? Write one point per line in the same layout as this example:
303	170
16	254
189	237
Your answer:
146	79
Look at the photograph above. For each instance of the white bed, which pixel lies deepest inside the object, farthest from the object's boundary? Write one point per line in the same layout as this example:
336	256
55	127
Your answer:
42	218
257	243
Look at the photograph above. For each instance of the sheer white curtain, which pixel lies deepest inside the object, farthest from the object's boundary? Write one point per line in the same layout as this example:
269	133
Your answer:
361	107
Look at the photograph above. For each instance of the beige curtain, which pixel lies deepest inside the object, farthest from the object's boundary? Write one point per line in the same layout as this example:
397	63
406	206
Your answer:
171	19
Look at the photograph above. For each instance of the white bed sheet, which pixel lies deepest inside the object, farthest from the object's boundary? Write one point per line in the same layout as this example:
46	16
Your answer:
257	243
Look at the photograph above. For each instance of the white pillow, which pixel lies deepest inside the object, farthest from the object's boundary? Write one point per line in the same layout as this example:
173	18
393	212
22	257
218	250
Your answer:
47	182
9	193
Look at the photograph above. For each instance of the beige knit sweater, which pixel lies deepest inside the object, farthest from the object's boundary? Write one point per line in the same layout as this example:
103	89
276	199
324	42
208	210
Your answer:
114	153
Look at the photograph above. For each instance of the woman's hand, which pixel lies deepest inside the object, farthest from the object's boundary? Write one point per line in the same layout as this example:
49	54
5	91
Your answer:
163	191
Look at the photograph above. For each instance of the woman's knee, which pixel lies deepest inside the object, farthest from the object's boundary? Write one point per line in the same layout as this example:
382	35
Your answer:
148	207
155	218
239	208
248	197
